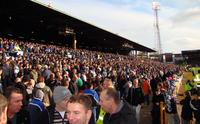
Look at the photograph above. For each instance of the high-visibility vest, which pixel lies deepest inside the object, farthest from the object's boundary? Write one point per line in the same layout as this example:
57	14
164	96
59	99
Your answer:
101	116
187	87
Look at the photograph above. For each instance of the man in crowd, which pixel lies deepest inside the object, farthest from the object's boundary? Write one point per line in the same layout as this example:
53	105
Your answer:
58	113
135	98
117	111
37	109
107	83
79	109
3	109
15	114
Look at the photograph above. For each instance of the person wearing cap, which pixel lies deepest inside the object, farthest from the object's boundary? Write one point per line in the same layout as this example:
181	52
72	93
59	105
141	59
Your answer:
37	109
58	114
3	109
79	109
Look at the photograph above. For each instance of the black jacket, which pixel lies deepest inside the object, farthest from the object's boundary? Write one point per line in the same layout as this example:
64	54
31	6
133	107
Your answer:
186	112
196	108
22	117
125	116
135	96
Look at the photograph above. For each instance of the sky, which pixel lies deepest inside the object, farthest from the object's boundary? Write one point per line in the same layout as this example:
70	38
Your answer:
179	20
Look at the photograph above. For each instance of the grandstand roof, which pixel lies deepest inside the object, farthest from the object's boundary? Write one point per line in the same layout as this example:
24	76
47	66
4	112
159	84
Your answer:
29	20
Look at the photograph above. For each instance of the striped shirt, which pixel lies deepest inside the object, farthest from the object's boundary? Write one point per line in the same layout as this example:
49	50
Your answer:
57	118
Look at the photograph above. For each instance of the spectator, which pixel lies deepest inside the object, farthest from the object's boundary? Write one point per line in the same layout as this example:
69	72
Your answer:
79	109
65	82
153	84
186	113
117	111
95	99
195	105
52	82
8	74
158	97
22	87
3	109
79	81
146	90
135	98
171	110
1	85
16	115
107	83
48	100
29	88
170	100
34	74
58	113
121	84
37	109
46	73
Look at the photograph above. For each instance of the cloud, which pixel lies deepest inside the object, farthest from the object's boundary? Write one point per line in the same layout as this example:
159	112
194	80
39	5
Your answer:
176	39
184	43
190	14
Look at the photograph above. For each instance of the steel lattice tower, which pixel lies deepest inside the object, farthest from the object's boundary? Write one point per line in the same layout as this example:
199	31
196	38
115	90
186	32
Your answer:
158	46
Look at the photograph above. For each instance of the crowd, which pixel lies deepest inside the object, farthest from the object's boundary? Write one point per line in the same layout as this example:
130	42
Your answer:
48	84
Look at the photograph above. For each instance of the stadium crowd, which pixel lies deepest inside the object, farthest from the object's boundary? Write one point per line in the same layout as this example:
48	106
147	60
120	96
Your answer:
51	84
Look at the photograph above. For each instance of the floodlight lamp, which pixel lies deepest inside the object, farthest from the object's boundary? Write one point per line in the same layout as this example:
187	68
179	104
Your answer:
156	5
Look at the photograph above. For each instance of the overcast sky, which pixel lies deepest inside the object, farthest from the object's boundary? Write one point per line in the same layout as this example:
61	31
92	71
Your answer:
133	19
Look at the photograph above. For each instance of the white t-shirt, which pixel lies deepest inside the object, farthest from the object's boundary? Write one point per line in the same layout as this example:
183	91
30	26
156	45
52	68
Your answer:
62	114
